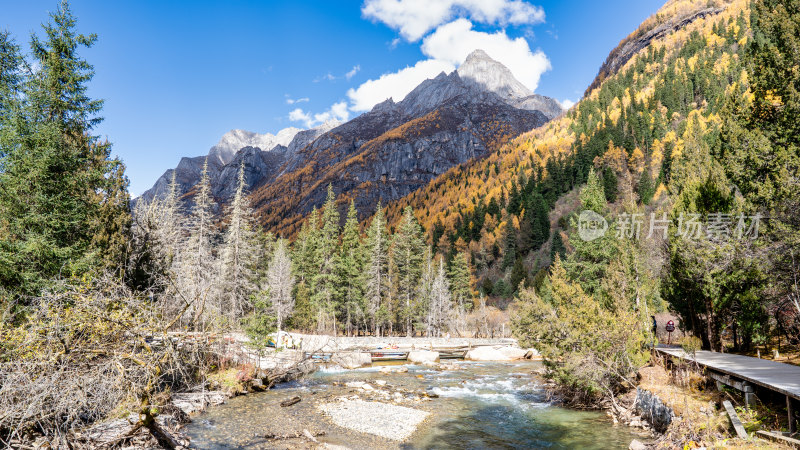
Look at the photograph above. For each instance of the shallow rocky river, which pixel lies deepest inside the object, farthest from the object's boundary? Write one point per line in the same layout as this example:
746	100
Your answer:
478	405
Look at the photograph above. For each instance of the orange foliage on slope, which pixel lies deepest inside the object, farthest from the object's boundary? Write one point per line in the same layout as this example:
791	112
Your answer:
491	177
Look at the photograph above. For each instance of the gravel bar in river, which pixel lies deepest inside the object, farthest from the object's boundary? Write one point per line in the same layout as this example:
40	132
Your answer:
381	419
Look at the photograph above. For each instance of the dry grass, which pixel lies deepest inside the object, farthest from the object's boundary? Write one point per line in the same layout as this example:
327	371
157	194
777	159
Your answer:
700	422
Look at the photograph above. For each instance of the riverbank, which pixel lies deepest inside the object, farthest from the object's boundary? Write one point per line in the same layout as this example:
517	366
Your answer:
454	405
682	407
243	369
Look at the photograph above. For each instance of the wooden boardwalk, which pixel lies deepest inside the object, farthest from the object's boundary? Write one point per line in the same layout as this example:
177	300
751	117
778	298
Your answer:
775	376
742	371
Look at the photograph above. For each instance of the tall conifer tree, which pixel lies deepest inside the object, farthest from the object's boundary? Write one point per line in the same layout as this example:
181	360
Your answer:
350	262
64	201
238	255
407	253
377	283
324	255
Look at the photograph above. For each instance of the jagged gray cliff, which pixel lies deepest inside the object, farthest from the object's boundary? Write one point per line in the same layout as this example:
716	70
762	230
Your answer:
262	155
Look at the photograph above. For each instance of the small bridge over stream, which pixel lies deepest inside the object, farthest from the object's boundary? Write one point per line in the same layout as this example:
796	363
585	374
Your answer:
745	372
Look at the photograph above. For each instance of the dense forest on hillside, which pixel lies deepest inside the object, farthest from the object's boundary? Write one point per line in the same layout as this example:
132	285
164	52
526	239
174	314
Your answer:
694	126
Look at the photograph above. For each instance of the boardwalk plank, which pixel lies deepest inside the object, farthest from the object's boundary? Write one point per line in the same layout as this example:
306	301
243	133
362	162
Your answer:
737	424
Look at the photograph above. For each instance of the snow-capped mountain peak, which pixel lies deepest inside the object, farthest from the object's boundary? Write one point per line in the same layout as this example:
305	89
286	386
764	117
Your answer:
232	141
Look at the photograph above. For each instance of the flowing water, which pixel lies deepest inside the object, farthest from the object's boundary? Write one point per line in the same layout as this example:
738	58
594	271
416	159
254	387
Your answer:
480	405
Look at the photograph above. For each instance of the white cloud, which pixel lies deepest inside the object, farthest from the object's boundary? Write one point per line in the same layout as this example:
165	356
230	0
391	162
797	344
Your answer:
395	85
567	103
447	47
292	101
297	115
452	42
414	18
337	111
352	72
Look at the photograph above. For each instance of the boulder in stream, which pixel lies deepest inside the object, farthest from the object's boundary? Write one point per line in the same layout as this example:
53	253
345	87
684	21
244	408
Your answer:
513	352
486	354
352	360
421	356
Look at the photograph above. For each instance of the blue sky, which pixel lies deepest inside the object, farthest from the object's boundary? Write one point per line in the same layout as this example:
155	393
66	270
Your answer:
177	75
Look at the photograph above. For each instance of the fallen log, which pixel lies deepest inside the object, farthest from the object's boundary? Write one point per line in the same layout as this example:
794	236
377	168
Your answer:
290	401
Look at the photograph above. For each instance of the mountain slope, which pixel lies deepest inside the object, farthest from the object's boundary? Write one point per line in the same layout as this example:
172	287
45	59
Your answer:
640	119
397	148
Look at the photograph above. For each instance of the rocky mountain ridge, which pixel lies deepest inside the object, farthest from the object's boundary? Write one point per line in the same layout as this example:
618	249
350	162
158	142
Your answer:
398	147
381	155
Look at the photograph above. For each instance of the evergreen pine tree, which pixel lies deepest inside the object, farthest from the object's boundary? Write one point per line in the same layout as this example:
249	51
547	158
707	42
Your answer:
461	281
303	257
350	262
645	188
527	232
592	195
407	254
63	202
304	249
610	185
557	246
377	283
540	221
518	275
509	245
324	256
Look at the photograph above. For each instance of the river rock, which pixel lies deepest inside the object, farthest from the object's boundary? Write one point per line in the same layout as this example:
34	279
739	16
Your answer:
513	352
352	360
380	382
421	356
486	354
190	402
637	445
532	353
653	410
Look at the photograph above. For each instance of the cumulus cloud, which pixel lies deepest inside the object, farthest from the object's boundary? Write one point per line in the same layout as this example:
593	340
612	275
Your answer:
395	85
567	103
298	115
446	48
337	111
415	18
452	43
